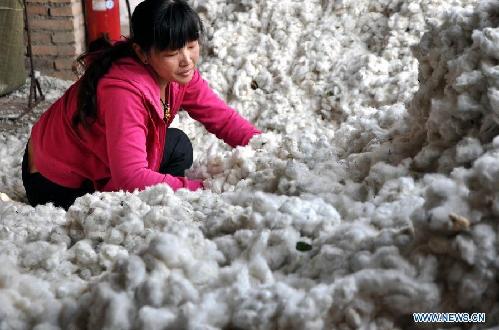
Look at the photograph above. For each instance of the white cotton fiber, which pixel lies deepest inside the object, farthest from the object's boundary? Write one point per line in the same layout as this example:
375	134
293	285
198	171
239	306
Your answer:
468	150
4	197
110	309
371	194
487	171
155	318
41	254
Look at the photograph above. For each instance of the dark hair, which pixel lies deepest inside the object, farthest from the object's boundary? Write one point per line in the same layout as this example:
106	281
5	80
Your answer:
155	24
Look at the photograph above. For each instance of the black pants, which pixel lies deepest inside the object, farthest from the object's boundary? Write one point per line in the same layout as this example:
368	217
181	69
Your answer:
177	157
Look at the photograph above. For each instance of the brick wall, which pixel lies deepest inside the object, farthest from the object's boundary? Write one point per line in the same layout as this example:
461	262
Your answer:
57	35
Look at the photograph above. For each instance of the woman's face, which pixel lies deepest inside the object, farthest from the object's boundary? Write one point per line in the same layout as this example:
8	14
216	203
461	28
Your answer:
175	65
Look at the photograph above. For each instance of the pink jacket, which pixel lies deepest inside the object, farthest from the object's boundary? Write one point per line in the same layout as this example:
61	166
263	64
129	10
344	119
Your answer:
124	147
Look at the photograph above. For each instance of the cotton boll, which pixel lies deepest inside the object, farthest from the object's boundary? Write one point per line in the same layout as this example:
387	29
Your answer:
161	194
32	292
400	293
427	266
468	149
10	161
229	247
281	249
42	254
299	310
295	170
131	272
46	326
109	308
232	179
273	220
495	205
161	216
306	217
468	80
440	187
487	170
360	260
84	253
4	197
60	236
484	237
228	221
487	40
115	236
215	185
331	260
396	202
396	194
466	248
211	313
396	197
151	318
256	242
491	73
38	224
109	254
262	202
401	237
10	316
444	199
93	217
470	291
152	290
466	103
382	172
255	307
129	226
203	272
70	289
180	290
170	250
493	95
386	256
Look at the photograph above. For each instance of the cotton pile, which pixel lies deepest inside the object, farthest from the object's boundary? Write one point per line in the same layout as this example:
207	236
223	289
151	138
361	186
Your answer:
372	194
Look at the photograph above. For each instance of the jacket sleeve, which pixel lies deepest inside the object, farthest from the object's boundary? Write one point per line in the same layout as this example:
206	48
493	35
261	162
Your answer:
126	128
202	104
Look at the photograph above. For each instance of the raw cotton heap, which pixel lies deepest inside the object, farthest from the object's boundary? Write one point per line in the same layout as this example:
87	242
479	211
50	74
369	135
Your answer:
368	198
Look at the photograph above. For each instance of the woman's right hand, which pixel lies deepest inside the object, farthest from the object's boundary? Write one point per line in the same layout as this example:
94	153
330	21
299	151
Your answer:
194	185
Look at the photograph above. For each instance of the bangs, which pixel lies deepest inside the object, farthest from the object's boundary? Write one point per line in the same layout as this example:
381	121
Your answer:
175	27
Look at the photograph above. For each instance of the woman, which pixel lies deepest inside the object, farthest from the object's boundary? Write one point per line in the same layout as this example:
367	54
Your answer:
109	131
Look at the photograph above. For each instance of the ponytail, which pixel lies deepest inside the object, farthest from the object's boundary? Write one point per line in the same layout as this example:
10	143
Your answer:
96	63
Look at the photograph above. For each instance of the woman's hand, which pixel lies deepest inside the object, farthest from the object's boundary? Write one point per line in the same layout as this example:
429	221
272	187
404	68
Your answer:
194	185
